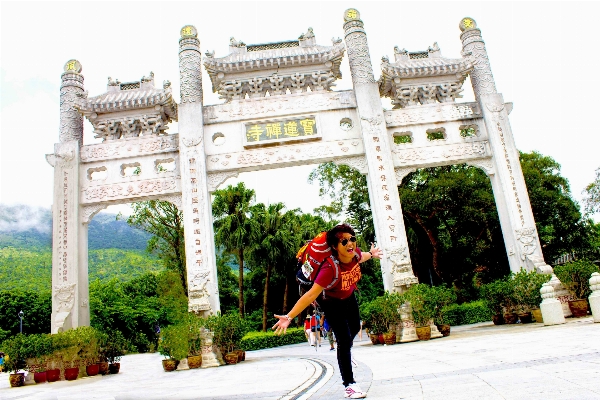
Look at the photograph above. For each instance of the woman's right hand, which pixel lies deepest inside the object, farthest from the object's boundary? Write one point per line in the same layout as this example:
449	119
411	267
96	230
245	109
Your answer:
281	326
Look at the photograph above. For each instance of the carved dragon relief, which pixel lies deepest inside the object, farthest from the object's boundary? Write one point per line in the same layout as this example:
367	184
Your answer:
358	162
88	212
217	178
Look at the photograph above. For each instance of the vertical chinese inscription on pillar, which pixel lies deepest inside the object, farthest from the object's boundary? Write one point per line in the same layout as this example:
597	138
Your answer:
383	182
195	214
510	173
62	245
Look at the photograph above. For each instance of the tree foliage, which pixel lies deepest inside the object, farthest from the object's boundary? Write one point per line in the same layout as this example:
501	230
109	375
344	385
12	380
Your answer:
234	229
592	195
164	222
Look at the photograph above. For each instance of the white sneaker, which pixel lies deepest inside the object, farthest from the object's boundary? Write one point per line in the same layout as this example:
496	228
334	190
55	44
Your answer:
353	391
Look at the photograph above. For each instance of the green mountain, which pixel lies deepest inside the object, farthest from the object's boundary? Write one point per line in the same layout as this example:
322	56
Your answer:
115	249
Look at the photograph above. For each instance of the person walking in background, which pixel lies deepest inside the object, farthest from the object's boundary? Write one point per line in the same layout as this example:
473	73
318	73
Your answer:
338	302
315	328
1	362
329	333
307	331
360	331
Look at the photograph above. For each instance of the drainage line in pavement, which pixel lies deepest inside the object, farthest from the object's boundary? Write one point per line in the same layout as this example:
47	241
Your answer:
317	381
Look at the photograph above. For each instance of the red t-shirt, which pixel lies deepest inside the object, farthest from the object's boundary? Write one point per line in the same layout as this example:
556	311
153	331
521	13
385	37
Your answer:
349	276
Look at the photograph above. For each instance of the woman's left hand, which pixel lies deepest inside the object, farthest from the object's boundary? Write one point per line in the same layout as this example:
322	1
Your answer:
376	252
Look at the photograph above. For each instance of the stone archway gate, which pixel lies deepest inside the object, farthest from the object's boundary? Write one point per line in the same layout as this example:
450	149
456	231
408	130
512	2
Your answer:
279	111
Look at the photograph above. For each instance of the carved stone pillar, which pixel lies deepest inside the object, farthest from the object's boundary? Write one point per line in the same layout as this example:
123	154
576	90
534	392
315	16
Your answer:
203	290
70	304
512	200
396	267
406	331
71	89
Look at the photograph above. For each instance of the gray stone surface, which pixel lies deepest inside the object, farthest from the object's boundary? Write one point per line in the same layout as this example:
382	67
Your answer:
479	361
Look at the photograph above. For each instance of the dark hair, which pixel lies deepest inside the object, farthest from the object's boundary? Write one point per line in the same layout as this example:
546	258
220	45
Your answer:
334	235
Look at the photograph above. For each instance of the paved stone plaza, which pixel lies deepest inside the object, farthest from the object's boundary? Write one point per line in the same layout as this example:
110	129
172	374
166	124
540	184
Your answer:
479	361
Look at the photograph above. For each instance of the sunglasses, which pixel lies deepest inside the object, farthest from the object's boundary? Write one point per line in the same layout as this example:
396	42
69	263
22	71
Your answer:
345	241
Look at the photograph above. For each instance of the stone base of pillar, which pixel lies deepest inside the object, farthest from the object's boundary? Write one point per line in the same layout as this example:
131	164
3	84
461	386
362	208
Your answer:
218	355
595	306
562	294
552	312
435	333
183	364
209	358
406	332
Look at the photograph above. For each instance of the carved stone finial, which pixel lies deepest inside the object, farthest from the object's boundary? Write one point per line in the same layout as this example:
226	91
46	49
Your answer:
308	35
467	23
236	43
113	82
385	59
209	54
166	84
433	48
189	31
336	41
351	14
73	66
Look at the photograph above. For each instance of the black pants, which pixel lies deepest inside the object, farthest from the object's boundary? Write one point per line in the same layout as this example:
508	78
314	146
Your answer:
344	319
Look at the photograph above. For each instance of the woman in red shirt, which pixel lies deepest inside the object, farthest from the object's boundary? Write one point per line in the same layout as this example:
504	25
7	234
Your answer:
339	302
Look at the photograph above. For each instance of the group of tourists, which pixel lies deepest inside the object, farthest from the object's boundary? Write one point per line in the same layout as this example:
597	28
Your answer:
339	275
315	331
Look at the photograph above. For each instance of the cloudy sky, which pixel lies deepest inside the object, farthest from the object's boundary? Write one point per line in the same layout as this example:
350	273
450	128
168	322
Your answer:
542	56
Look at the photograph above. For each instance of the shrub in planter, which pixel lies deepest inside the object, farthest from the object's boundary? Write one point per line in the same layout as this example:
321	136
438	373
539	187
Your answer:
575	276
527	287
442	296
38	351
13	348
381	314
422	301
228	329
173	342
499	296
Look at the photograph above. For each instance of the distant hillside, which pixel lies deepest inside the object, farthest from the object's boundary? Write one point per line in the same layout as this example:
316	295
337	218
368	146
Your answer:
29	227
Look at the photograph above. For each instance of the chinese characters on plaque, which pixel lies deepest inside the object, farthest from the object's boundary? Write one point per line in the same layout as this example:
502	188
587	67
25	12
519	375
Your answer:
391	224
277	131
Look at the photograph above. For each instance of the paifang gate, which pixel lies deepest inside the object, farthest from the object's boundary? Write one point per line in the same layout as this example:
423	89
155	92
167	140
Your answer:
279	110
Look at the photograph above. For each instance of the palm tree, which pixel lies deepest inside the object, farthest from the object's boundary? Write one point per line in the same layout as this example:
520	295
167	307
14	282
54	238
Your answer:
233	227
274	243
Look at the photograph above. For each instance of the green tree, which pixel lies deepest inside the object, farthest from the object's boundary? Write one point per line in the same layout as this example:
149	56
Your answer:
228	283
274	243
560	225
592	195
234	229
165	222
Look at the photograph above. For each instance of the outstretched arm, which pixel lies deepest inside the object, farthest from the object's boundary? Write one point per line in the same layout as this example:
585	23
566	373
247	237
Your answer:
375	252
304	301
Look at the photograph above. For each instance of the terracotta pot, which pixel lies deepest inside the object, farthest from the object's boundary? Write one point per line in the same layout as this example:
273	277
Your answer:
511	318
243	355
92	370
537	315
169	365
374	339
231	358
17	379
71	373
525	318
40	377
103	368
194	361
424	332
444	329
498	319
579	308
389	338
114	368
52	375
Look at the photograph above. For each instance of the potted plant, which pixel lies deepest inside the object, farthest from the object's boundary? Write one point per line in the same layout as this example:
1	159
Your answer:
228	329
102	359
38	352
422	302
380	317
115	348
196	324
527	294
13	359
89	349
442	297
575	277
173	344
